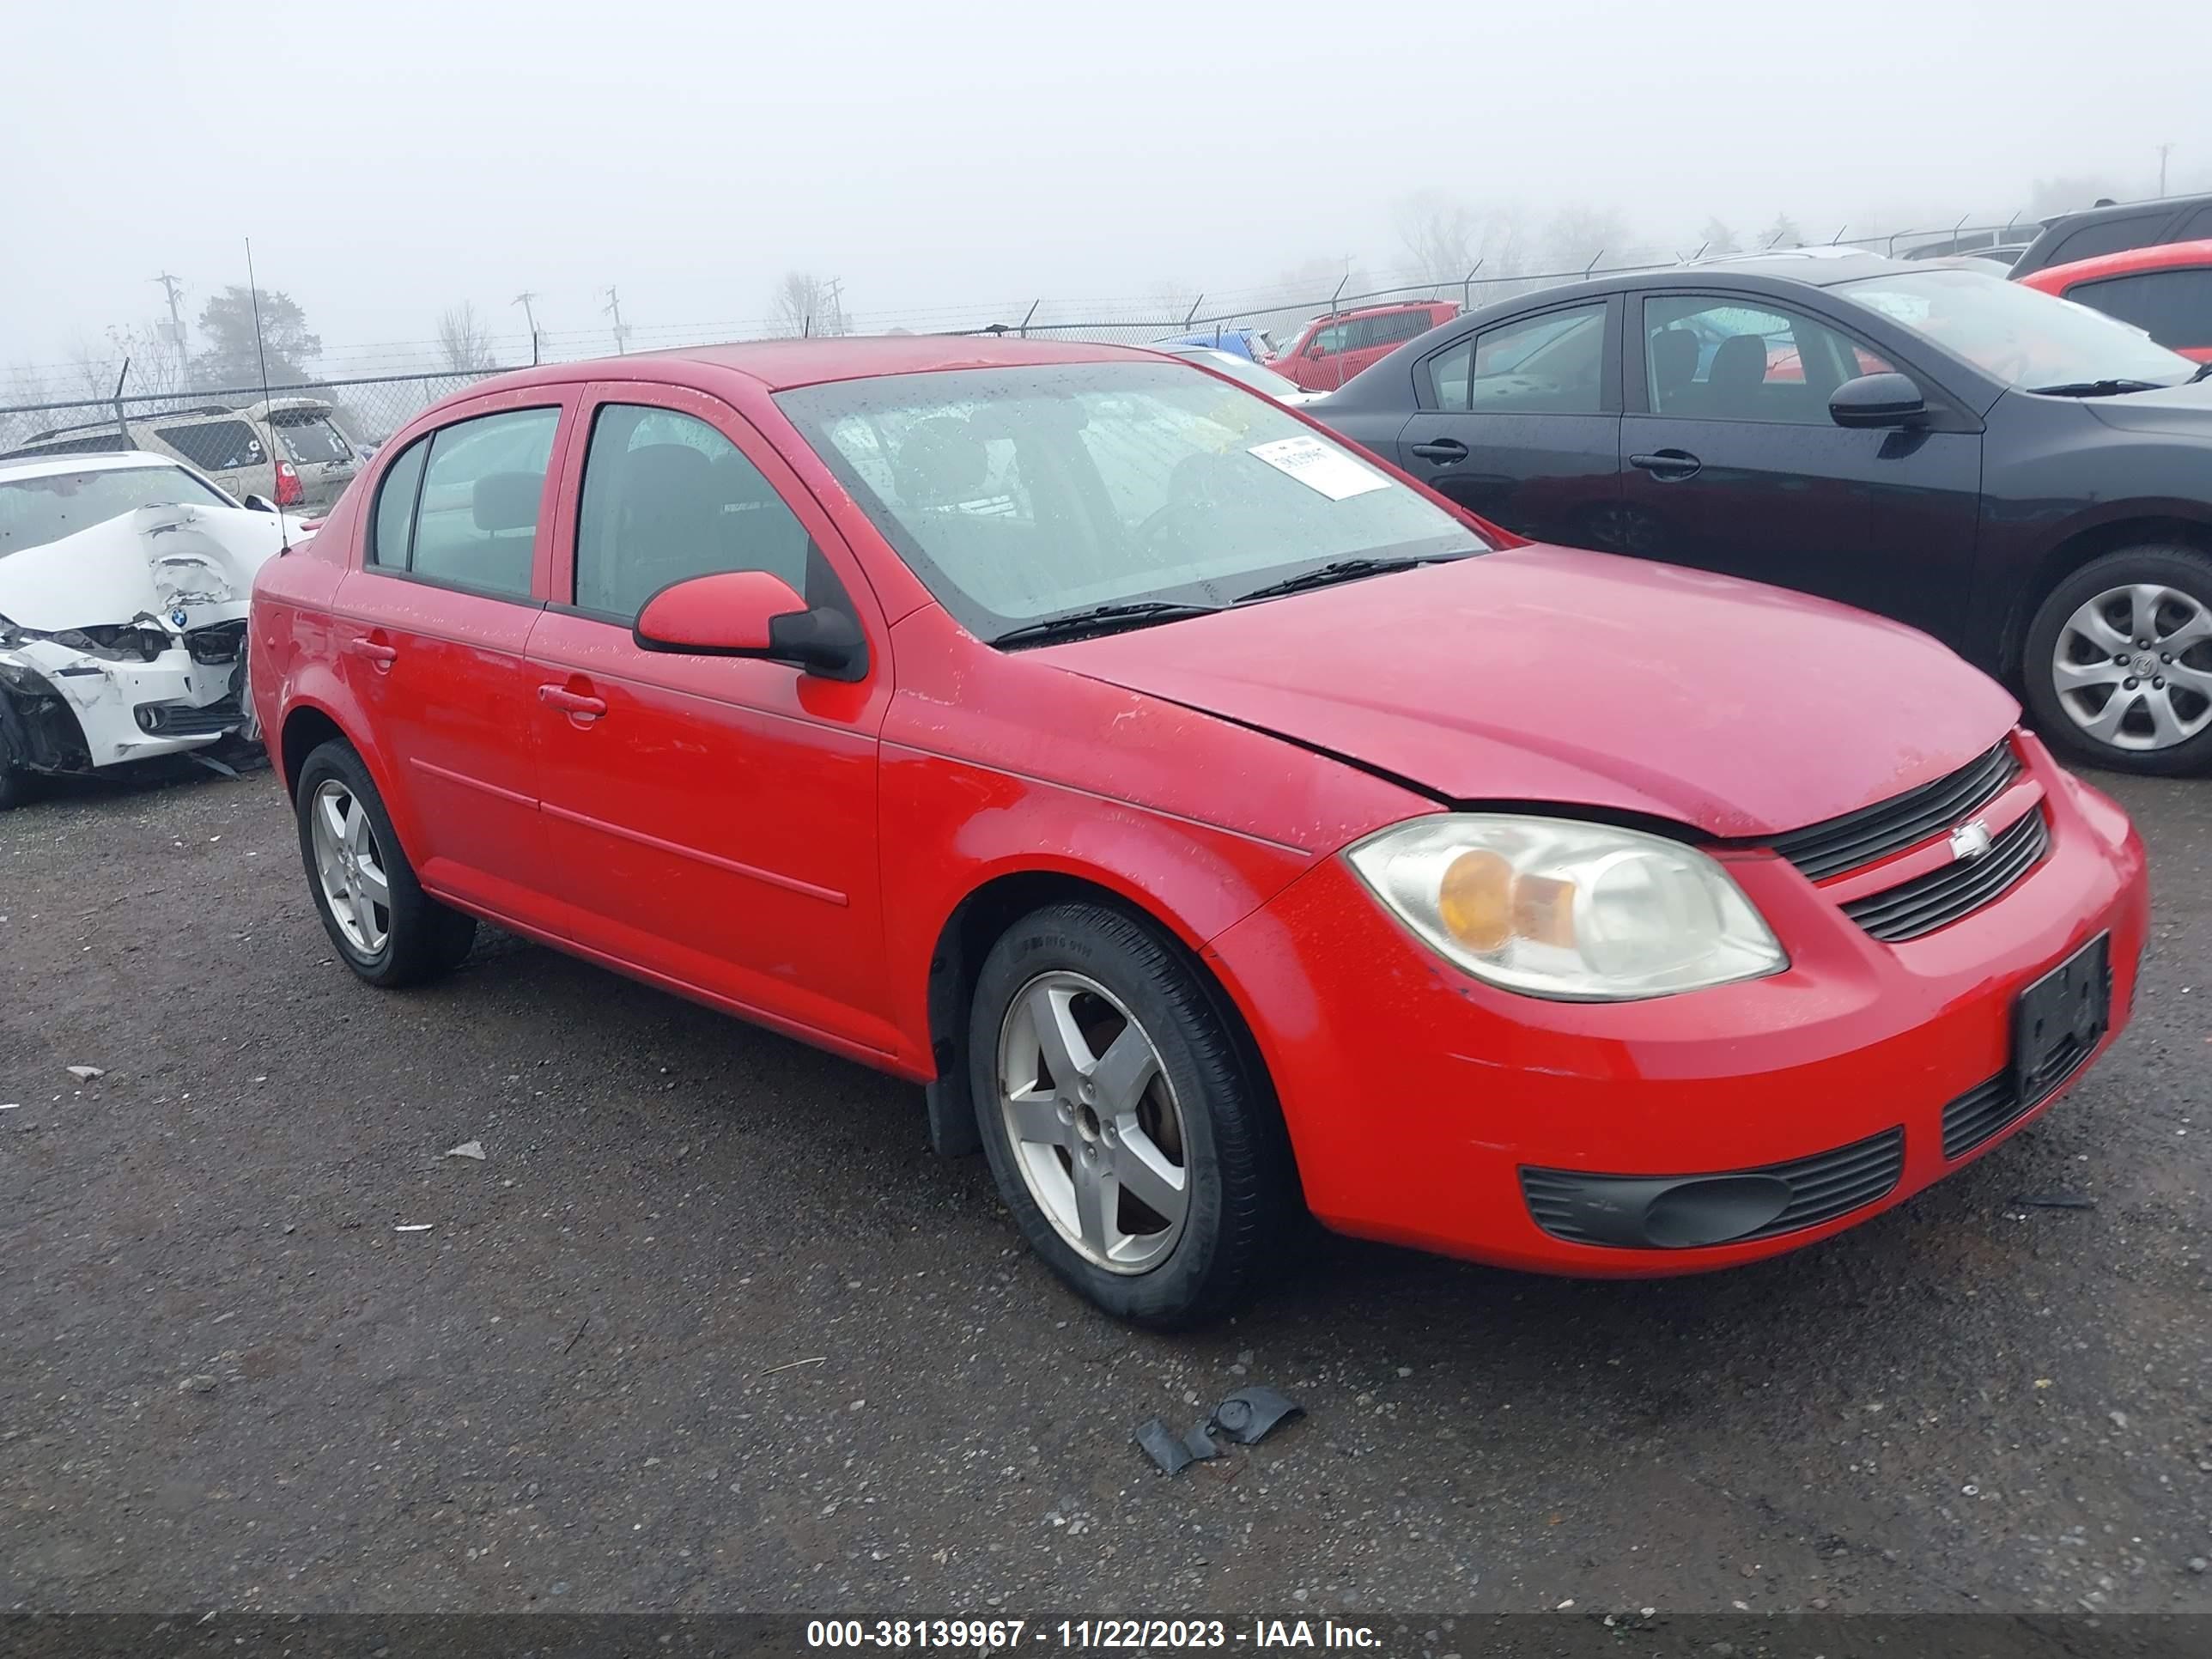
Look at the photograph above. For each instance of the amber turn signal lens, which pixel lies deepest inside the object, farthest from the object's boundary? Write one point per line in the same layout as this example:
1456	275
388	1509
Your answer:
1474	901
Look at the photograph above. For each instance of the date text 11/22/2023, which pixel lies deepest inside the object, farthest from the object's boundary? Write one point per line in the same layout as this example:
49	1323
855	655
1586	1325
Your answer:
1006	1635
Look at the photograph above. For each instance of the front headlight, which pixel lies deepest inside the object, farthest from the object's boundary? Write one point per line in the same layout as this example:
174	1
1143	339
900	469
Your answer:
1554	907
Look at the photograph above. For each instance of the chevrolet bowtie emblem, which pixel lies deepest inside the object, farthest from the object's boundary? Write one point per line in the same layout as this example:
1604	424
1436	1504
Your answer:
1970	841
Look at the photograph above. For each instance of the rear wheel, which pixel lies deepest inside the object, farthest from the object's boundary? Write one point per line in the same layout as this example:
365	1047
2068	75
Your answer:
388	930
1141	1159
2118	667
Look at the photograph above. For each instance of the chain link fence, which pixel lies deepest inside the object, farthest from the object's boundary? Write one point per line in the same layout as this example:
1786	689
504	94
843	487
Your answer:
228	430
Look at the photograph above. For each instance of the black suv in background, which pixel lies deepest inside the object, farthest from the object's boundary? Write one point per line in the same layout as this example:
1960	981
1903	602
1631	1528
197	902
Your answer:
2115	229
2027	480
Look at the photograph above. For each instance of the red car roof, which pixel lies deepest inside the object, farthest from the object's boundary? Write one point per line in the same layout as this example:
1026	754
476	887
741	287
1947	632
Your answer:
778	364
2166	256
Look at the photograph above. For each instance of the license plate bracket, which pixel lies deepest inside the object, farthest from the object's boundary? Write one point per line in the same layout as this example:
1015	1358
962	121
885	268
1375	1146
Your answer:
2059	1019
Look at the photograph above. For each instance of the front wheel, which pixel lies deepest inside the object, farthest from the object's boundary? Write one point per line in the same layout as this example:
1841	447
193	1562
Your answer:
1142	1160
2117	668
388	930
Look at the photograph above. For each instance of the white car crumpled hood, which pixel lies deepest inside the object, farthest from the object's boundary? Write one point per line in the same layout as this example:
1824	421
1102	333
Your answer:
145	563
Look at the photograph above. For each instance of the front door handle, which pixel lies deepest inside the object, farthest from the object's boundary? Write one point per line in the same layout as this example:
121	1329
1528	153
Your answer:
572	703
1443	451
378	652
1667	465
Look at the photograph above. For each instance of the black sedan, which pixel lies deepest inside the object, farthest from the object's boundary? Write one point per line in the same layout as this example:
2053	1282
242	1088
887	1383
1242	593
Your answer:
2025	479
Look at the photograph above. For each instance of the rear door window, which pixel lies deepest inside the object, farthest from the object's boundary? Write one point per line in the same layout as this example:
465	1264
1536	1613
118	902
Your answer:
476	523
2174	307
1553	364
215	445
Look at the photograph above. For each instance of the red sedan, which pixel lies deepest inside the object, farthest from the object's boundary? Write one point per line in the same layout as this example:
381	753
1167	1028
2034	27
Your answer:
2165	291
1219	823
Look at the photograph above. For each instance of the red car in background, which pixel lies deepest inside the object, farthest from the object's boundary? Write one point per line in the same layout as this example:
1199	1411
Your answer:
2165	291
1219	825
1331	349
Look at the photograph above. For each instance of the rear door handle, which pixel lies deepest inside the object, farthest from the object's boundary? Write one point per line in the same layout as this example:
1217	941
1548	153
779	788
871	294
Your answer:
1443	451
382	655
1668	464
571	702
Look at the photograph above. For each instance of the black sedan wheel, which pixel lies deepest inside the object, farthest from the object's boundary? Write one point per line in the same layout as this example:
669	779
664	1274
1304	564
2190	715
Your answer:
2118	663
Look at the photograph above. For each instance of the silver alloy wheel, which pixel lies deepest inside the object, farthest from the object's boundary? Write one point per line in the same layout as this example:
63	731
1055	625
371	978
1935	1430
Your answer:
2133	667
350	866
1095	1128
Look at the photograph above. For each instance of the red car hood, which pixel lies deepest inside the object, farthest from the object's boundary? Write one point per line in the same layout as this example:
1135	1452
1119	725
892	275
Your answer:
1544	674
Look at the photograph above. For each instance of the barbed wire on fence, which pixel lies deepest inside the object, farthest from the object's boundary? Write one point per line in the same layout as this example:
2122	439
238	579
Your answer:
375	389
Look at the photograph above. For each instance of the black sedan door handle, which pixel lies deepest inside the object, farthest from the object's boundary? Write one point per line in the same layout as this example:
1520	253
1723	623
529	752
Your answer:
1443	451
1668	464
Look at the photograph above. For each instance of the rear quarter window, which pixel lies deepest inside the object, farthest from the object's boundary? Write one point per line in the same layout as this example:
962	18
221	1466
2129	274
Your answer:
215	445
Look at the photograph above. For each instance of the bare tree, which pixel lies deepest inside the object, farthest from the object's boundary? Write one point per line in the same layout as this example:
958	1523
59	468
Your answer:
464	343
803	303
92	368
1578	236
159	365
1440	237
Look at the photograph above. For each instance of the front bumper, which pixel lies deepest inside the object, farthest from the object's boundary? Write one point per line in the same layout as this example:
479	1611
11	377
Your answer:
1418	1099
133	709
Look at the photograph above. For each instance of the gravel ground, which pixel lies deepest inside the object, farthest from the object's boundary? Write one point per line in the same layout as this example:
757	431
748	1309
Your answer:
708	1330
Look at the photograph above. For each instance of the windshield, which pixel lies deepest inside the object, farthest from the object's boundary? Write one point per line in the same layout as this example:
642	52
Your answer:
1023	493
43	508
1243	369
2024	337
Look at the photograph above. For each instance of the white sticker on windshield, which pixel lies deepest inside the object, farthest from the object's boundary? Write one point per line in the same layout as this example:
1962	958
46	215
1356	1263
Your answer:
1315	464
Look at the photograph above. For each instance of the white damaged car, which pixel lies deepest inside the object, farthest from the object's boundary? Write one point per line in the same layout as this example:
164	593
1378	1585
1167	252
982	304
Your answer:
124	584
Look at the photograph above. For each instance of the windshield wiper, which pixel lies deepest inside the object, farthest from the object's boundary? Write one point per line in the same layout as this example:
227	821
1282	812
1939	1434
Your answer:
2204	372
2097	388
1101	619
1341	570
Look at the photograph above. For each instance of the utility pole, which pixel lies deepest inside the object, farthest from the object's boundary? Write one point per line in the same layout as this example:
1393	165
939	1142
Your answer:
613	308
2163	151
836	287
172	286
529	318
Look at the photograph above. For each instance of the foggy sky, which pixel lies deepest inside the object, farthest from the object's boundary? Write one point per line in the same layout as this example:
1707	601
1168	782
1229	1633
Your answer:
392	158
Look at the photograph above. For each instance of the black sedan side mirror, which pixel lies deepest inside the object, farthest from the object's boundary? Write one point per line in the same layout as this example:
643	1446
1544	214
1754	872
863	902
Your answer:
1887	399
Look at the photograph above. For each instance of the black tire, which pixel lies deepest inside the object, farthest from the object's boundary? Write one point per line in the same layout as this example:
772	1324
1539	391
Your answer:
423	938
1242	1188
15	786
2183	568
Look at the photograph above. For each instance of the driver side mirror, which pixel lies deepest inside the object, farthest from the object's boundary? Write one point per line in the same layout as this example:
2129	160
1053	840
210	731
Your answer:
1314	350
749	613
1875	400
258	504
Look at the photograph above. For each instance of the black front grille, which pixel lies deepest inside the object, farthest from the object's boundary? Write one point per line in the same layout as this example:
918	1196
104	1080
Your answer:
1821	1188
1986	1107
221	643
1941	897
177	720
1873	833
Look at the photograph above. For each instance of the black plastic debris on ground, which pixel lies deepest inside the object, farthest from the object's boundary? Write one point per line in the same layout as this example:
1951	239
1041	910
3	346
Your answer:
2053	1201
1246	1417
